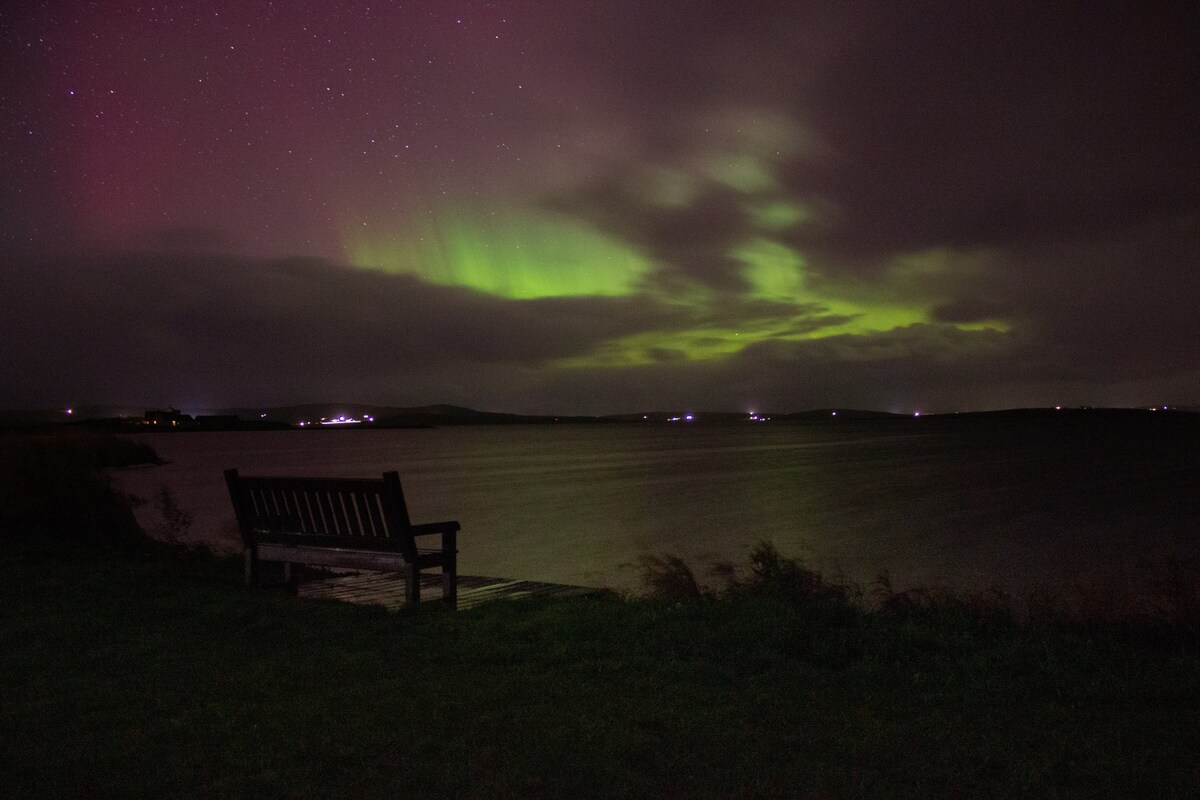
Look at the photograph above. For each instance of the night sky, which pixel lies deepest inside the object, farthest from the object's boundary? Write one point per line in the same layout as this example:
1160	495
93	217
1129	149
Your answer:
597	207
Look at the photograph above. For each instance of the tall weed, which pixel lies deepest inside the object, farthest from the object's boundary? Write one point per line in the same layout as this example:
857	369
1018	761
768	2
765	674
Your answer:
1161	602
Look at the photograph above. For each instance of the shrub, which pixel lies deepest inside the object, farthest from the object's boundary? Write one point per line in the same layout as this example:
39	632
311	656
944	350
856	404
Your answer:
768	574
772	574
54	486
669	577
176	522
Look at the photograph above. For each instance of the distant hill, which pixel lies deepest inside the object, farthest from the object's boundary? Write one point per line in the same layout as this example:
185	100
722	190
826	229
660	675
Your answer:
355	415
45	416
680	416
443	414
378	416
823	414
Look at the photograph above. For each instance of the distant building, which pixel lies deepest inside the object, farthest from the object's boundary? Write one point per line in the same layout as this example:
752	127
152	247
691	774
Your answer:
170	418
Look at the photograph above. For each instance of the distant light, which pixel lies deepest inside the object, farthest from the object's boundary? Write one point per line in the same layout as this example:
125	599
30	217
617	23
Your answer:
70	411
262	416
1058	408
835	413
917	414
688	417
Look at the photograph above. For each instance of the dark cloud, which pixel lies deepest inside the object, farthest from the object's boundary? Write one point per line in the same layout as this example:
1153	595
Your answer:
968	309
889	371
978	125
1119	306
222	330
692	240
163	326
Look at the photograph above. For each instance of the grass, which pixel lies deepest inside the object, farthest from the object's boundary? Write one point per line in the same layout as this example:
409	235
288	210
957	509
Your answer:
158	674
150	671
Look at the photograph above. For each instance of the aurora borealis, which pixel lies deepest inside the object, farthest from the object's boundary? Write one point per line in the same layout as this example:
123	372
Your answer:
600	207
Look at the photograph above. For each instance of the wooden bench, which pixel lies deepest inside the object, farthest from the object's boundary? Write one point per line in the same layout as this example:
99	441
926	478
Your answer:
337	522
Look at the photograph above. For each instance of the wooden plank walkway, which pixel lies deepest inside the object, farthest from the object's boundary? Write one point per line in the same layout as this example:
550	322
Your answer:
387	589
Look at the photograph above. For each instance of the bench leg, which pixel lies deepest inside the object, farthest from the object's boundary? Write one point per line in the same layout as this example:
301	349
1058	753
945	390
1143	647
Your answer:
412	589
450	569
251	565
450	585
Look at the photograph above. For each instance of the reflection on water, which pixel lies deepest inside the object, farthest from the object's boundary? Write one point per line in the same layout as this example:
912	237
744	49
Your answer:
1014	503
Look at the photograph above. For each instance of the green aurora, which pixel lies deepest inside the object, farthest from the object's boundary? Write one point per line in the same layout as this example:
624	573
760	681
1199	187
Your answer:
517	256
520	252
523	256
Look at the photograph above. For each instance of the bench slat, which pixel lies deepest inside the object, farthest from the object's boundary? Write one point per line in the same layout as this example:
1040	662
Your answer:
332	557
304	511
278	504
364	516
263	509
329	503
349	514
327	523
374	502
287	506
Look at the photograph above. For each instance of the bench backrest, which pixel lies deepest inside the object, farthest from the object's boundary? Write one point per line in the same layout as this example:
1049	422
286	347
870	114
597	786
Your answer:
340	512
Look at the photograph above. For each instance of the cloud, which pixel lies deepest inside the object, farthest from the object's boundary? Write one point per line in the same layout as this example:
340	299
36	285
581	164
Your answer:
973	127
126	327
949	207
691	239
210	331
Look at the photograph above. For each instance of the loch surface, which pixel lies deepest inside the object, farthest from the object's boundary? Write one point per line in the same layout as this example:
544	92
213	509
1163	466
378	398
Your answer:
1019	502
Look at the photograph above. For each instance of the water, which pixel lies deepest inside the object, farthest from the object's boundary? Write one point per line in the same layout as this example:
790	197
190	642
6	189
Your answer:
970	505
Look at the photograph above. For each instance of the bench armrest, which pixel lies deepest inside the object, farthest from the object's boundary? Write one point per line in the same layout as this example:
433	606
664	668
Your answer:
430	528
446	556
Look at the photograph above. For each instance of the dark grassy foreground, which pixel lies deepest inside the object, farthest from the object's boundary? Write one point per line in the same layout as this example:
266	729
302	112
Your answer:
135	671
158	675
